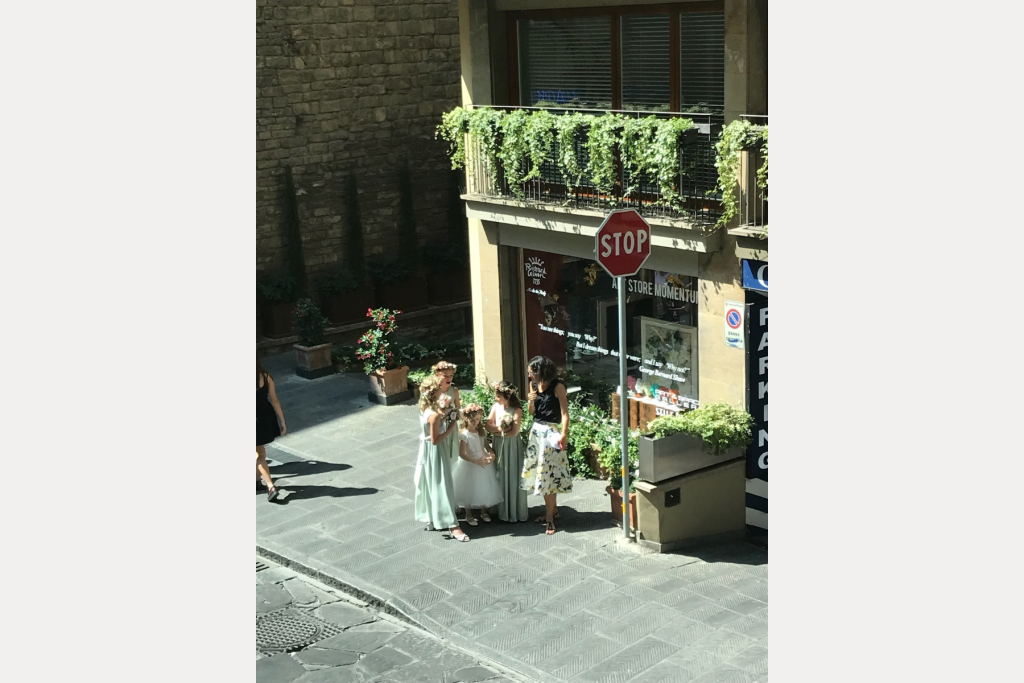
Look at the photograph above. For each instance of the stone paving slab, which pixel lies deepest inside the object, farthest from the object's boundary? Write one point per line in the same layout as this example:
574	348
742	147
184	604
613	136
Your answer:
581	605
371	647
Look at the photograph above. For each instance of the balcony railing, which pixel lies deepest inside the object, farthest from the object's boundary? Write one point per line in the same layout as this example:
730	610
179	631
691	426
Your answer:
753	191
697	199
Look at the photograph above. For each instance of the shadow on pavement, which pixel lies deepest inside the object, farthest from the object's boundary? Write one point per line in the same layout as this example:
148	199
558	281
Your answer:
290	492
303	468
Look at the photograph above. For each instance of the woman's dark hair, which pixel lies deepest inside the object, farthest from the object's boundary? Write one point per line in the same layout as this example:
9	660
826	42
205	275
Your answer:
509	393
260	372
544	369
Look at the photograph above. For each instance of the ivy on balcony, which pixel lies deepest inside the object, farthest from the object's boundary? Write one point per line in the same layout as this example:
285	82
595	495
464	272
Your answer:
737	137
523	141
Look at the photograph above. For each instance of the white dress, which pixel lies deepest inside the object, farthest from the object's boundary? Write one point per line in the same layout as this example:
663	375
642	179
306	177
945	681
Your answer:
475	486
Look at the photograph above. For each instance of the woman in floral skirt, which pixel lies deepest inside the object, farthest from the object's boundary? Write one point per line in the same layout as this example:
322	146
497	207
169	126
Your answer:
546	467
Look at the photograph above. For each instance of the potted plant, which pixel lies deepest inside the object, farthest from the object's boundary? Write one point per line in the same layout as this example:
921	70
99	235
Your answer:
345	297
447	263
344	359
415	379
690	441
279	293
397	286
389	383
312	354
612	461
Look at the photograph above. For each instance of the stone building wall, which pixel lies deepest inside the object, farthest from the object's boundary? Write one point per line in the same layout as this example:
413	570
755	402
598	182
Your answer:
351	87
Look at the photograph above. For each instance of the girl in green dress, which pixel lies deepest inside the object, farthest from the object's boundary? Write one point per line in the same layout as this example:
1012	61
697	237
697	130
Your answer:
435	498
445	372
504	422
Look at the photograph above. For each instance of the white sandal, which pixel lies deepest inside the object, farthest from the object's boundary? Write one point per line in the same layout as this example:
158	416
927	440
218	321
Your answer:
461	536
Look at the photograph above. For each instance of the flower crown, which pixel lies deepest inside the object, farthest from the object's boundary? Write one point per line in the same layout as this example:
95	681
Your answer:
472	408
508	389
444	366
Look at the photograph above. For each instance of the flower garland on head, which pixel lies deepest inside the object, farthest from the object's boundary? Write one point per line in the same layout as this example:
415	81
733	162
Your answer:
468	412
442	367
509	392
429	389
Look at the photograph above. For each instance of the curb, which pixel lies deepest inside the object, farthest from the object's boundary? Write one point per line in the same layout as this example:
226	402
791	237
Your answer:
398	609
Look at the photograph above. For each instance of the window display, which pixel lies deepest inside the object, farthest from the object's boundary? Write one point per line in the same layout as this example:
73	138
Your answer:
570	314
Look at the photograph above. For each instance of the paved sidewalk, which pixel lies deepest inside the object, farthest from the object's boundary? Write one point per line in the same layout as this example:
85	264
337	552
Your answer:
353	641
579	605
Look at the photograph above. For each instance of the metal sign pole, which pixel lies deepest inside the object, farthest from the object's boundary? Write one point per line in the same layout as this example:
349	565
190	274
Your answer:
623	406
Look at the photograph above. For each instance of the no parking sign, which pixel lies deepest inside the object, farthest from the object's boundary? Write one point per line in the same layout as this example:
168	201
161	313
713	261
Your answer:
734	324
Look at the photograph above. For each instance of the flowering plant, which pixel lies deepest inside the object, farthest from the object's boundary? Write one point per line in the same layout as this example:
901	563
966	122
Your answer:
448	410
374	348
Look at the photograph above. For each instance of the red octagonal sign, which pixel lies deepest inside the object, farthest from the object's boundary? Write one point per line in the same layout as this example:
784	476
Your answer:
623	242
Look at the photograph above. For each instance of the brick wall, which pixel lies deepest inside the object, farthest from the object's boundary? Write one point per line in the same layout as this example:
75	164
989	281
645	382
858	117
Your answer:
351	86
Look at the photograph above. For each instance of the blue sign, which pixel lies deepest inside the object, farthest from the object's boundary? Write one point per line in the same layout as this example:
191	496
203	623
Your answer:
755	275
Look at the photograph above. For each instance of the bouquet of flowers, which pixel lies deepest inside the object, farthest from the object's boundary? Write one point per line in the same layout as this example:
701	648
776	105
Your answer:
507	423
448	410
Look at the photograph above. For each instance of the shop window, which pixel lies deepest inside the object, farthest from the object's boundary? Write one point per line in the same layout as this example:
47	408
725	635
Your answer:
570	314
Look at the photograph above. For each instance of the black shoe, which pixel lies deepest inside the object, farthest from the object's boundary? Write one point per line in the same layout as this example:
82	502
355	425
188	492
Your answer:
271	494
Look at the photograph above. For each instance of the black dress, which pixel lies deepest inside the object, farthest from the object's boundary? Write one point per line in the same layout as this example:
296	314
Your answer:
267	428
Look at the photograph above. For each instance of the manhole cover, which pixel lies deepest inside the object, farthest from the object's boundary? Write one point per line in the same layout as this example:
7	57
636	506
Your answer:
289	630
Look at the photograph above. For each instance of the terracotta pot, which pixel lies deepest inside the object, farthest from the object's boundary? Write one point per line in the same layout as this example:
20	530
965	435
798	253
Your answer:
390	382
616	497
313	361
448	288
350	307
278	319
408	295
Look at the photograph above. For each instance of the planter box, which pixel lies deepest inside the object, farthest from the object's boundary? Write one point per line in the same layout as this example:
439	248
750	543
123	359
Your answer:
388	387
675	455
448	288
406	296
616	497
312	362
350	307
698	508
278	319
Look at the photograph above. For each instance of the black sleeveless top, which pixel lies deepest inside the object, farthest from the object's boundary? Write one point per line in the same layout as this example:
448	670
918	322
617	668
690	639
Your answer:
546	406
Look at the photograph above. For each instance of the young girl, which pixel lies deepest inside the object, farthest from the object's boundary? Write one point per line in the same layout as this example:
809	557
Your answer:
445	372
435	498
476	482
504	421
546	468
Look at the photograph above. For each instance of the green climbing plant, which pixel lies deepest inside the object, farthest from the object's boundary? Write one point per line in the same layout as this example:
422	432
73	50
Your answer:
514	151
570	128
485	126
736	137
602	138
453	129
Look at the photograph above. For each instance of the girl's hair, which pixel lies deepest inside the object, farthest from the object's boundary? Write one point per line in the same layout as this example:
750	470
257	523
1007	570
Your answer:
443	366
260	372
509	393
428	392
544	369
469	411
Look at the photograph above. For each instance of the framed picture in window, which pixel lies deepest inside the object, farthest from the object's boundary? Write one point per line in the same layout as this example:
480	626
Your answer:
669	355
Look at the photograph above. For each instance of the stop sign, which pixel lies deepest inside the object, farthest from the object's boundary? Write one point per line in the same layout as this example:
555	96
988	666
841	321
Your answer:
623	242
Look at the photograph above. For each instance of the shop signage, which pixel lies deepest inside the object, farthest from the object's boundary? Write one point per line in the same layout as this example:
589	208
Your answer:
734	324
623	243
755	275
757	385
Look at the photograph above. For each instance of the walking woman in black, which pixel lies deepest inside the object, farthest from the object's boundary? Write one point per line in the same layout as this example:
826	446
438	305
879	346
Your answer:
546	468
269	424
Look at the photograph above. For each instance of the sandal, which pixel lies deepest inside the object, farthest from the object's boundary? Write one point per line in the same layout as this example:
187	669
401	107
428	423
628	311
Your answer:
271	494
429	527
485	517
542	519
550	530
460	536
472	522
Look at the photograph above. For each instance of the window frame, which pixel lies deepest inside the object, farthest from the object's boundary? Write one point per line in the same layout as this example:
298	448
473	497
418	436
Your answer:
674	10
